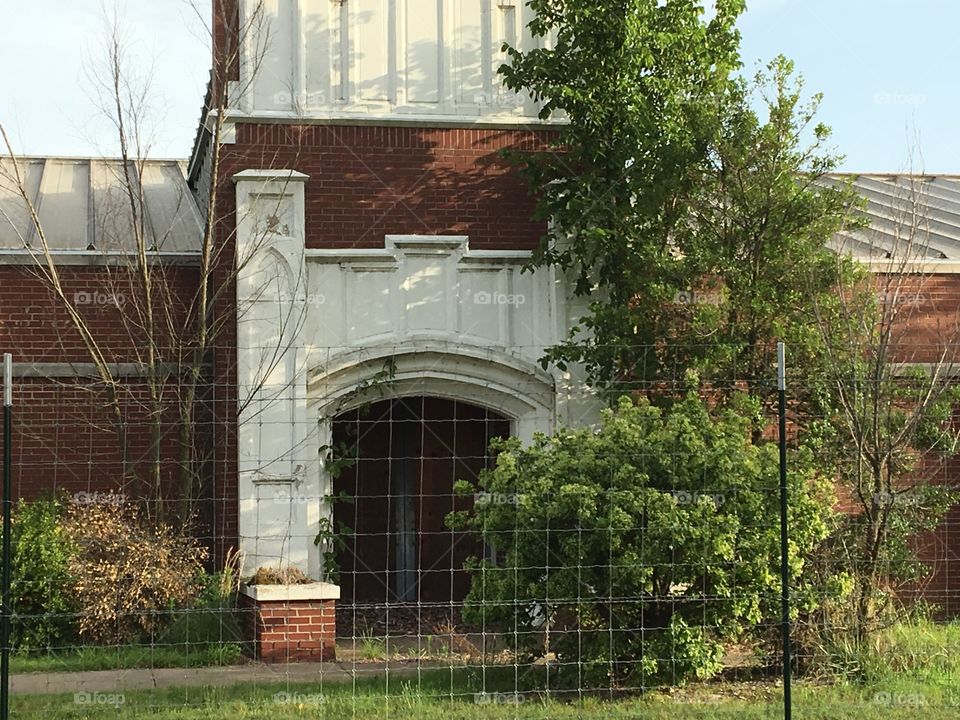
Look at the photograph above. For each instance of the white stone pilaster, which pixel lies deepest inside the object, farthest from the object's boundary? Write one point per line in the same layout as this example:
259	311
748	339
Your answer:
279	488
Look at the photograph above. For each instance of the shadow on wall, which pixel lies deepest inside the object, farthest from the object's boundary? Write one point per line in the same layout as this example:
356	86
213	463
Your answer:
368	182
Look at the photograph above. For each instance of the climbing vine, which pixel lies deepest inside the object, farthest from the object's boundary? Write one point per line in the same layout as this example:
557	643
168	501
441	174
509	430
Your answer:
339	457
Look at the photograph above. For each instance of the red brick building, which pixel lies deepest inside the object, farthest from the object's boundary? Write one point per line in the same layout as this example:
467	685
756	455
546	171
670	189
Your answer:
368	291
369	240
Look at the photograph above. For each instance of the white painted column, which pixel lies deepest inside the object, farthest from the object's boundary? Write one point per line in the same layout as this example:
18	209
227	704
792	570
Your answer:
279	481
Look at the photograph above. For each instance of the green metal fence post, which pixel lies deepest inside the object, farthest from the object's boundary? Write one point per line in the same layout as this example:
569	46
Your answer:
7	510
784	534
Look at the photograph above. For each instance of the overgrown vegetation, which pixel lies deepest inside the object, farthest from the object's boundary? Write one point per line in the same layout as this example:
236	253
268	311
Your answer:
889	430
42	553
88	574
693	208
660	521
127	575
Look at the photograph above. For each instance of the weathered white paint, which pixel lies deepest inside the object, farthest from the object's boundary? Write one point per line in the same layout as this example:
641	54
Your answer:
383	59
278	492
291	593
323	331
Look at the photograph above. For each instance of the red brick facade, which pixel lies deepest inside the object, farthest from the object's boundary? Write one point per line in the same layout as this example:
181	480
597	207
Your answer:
35	327
65	435
930	314
67	438
367	182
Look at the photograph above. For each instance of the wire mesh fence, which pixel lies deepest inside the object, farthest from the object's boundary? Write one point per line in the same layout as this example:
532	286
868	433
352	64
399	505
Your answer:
427	562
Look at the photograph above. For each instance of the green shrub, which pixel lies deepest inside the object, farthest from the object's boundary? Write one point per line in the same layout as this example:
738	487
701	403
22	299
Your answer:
41	553
96	572
633	552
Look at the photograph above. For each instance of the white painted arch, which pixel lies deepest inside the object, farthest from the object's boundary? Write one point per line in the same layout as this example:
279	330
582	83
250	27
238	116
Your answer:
512	387
454	323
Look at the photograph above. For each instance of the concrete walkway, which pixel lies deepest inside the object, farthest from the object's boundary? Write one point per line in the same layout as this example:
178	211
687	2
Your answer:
108	681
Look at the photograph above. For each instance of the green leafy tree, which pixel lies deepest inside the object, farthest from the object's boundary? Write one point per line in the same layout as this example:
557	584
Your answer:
758	232
638	82
688	204
632	553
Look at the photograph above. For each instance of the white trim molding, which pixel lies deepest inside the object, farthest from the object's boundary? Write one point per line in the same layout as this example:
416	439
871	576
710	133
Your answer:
520	391
920	267
269	175
360	118
304	592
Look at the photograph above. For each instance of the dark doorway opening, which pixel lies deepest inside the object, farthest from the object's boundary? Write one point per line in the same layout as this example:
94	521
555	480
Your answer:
409	453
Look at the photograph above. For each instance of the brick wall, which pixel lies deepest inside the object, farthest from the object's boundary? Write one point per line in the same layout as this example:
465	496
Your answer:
66	435
291	630
226	36
929	314
367	182
35	327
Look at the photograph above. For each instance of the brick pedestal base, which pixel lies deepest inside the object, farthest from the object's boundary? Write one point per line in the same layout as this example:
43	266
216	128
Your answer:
291	623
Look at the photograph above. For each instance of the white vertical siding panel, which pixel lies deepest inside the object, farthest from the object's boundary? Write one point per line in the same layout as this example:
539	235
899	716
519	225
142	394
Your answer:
407	58
469	79
422	52
274	84
370	49
507	29
318	51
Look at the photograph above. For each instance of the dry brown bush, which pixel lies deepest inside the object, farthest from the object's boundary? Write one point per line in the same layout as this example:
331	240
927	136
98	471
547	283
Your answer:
127	574
285	576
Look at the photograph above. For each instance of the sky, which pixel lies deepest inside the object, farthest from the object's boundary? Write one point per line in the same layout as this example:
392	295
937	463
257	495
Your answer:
888	70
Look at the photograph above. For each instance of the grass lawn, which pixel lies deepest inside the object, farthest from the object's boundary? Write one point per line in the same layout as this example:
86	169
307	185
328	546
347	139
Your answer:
438	696
128	657
432	701
914	672
195	638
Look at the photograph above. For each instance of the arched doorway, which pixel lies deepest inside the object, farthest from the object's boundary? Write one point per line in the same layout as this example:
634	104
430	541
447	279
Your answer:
395	498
